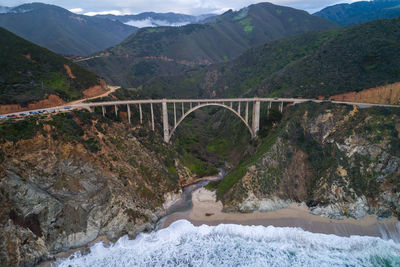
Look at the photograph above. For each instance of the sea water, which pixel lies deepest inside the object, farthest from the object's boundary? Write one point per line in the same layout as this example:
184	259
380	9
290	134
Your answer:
182	244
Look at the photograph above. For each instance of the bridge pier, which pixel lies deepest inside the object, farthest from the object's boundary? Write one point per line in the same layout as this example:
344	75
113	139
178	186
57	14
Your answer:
141	115
281	107
103	109
116	110
165	121
129	113
256	117
246	115
174	114
152	116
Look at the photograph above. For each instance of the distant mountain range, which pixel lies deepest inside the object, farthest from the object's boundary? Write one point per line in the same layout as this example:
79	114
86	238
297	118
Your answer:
168	50
309	65
30	73
64	32
4	9
360	12
152	19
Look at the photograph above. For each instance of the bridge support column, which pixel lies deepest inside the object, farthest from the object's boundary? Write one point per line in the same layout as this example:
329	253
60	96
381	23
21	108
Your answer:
269	108
281	107
152	116
174	114
239	109
116	110
141	115
191	105
103	109
129	113
183	109
246	115
256	117
165	121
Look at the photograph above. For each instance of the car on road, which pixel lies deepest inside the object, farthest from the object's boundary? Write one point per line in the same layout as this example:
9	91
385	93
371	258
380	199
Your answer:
275	98
67	107
2	117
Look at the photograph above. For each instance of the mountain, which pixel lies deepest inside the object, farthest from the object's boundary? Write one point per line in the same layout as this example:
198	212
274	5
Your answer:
360	12
4	9
152	19
29	73
168	50
63	32
309	65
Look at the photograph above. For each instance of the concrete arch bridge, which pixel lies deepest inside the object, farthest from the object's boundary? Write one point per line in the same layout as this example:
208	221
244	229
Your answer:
184	107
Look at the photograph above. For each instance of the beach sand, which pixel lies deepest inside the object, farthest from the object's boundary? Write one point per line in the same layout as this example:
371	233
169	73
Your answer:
206	210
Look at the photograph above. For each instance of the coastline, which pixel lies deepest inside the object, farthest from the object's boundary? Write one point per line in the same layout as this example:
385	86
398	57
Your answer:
206	210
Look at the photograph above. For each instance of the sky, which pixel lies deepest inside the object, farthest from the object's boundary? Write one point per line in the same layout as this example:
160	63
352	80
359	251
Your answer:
192	7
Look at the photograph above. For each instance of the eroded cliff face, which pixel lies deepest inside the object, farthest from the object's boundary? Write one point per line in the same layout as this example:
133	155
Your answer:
78	176
387	94
339	160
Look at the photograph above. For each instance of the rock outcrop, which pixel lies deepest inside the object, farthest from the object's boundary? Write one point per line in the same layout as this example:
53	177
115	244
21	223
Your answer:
339	160
78	177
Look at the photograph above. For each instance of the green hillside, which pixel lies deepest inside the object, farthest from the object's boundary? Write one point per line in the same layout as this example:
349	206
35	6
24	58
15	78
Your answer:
361	12
309	65
64	32
29	73
160	51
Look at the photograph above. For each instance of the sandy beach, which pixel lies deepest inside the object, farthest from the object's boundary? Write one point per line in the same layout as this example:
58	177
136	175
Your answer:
206	210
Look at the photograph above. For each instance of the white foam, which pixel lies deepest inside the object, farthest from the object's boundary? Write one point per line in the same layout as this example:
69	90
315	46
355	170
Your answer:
183	244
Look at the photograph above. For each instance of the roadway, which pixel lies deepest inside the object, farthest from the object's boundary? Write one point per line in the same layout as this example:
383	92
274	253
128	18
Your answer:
69	107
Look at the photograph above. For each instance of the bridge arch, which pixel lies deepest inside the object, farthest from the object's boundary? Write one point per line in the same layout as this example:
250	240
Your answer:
206	105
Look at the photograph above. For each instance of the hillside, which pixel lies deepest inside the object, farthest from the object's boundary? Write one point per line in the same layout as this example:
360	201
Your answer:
161	51
69	178
29	73
153	19
360	12
307	65
64	32
319	155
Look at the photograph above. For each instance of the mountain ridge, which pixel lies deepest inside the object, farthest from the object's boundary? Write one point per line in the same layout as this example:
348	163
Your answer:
360	12
161	51
71	34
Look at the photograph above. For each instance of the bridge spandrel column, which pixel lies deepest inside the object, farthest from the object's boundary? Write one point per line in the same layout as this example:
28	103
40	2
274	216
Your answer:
174	114
256	118
165	121
129	113
246	113
103	109
141	114
152	116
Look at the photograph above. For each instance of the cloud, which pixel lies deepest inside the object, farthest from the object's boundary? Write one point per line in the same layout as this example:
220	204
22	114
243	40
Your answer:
193	7
149	22
76	10
106	12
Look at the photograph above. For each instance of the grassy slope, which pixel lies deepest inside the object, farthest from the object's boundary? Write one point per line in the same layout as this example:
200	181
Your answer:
220	40
309	65
360	12
21	78
64	32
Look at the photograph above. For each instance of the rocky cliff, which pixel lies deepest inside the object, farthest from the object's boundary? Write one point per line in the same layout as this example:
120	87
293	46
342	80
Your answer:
67	179
339	160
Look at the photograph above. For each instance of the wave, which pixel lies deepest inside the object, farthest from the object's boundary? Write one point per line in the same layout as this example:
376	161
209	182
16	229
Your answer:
182	244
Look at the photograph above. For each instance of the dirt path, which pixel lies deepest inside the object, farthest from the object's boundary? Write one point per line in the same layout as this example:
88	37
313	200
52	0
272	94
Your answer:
111	89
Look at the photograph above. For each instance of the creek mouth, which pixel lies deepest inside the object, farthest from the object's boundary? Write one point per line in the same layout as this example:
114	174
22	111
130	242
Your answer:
185	202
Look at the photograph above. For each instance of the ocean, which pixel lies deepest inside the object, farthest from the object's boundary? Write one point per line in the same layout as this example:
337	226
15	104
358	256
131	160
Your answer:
182	244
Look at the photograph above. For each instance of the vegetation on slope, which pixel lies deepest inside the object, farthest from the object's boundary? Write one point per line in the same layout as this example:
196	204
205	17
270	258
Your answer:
309	65
29	73
360	12
323	154
148	50
62	31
